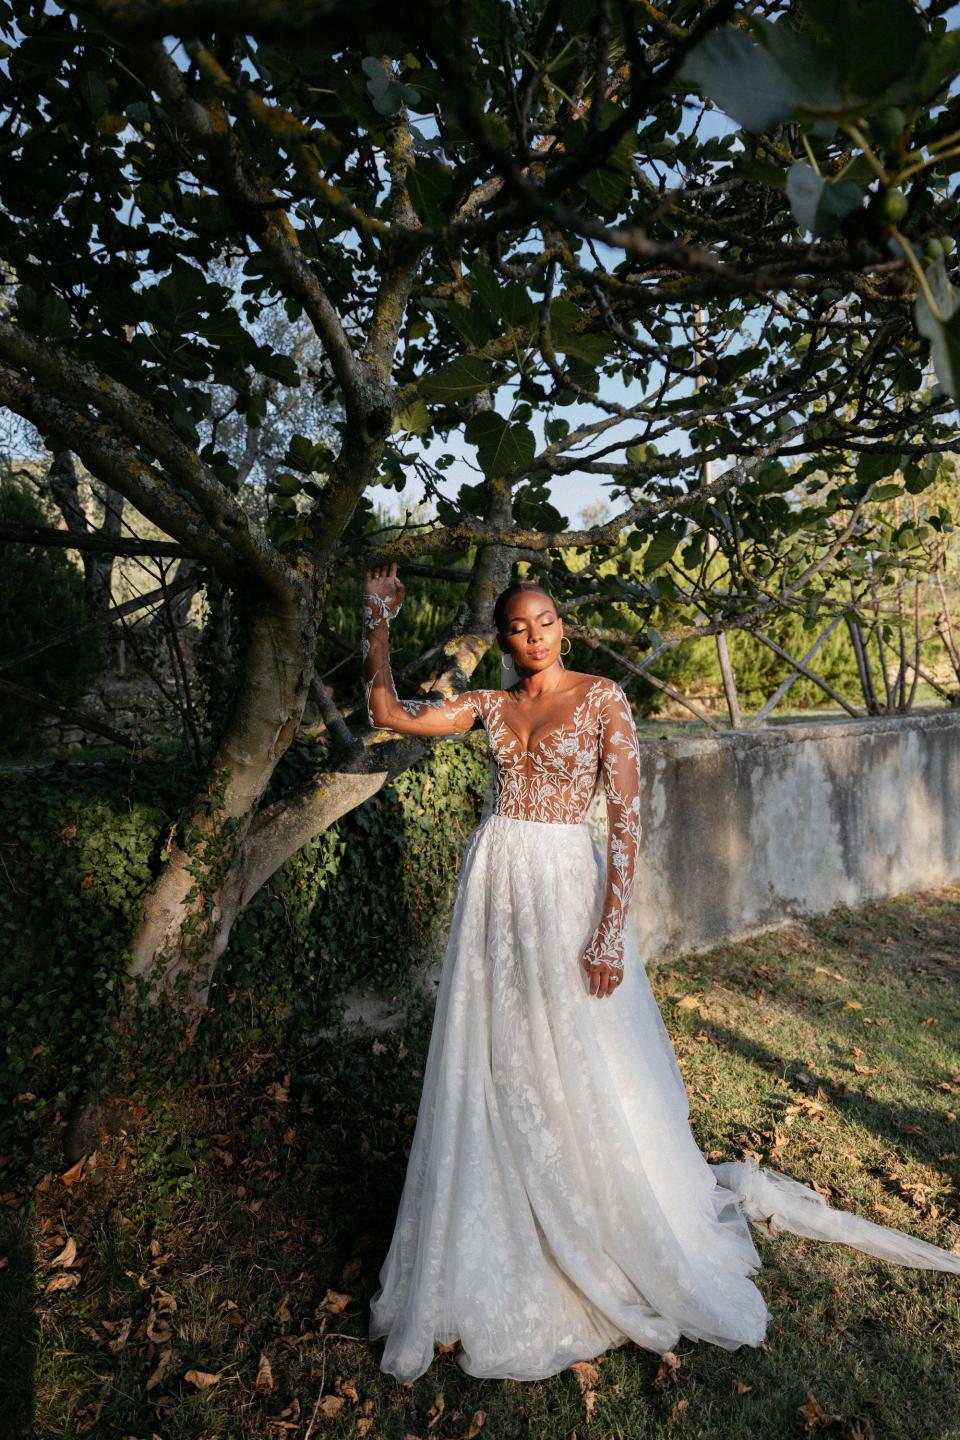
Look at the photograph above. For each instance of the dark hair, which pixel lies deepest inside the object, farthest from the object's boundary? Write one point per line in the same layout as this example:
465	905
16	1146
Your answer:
516	587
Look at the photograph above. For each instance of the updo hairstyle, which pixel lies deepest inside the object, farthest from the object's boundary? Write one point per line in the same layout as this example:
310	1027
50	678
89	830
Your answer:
514	588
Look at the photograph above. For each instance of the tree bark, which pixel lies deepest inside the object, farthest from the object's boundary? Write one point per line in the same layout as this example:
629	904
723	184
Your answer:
187	916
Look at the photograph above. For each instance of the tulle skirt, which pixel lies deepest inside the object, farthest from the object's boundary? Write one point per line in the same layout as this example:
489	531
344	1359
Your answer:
556	1203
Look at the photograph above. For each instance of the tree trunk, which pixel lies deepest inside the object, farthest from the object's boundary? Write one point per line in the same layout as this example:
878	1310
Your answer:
187	915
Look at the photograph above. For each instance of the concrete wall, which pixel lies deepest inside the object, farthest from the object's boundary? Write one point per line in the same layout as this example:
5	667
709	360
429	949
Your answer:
746	829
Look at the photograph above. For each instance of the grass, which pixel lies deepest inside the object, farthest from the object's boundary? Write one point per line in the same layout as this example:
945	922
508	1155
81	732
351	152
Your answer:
226	1251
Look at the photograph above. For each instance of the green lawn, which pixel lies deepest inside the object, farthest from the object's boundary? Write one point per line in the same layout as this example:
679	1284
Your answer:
225	1253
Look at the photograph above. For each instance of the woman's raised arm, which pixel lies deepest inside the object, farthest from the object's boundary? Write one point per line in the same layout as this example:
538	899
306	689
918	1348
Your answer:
383	596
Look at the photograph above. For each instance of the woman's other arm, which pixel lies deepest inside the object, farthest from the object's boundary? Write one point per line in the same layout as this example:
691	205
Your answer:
620	761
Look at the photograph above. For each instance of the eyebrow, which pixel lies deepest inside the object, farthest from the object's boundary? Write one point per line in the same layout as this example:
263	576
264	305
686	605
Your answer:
519	619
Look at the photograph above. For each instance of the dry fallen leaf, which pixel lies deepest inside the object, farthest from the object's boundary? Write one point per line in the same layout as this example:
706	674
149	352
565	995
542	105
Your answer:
741	1386
348	1389
71	1176
162	1301
121	1337
330	1406
264	1379
677	1410
332	1303
813	1415
67	1255
668	1371
66	1280
587	1374
436	1410
203	1379
688	1002
162	1366
477	1421
157	1329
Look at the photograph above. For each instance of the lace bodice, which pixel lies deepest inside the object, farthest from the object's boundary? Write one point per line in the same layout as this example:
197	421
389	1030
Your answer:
553	781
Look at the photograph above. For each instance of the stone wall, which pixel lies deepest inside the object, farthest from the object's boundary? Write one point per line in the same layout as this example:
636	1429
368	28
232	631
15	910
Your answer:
747	829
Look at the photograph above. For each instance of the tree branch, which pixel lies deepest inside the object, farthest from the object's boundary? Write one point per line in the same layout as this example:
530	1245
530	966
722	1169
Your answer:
72	540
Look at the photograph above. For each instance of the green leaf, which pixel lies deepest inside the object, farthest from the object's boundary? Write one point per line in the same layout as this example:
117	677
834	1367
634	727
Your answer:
942	329
873	466
761	85
501	447
306	456
533	508
662	546
179	296
466	376
278	367
387	92
586	344
818	204
508	301
415	419
47	315
875	42
430	184
94	92
284	484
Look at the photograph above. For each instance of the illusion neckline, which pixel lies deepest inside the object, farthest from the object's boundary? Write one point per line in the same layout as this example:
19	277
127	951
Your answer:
558	729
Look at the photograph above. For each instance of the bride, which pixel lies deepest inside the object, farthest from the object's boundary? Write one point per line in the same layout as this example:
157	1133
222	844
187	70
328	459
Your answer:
556	1203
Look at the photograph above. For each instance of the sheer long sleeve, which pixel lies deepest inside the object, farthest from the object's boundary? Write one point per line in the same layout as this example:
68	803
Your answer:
620	762
452	715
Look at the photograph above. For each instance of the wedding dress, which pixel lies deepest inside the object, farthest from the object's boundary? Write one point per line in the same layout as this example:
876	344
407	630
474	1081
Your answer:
556	1203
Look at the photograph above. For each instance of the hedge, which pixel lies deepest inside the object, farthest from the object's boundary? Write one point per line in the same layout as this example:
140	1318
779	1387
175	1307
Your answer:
361	905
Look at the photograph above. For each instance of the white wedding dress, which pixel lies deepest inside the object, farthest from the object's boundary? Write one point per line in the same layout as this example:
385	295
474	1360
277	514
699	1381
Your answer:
556	1203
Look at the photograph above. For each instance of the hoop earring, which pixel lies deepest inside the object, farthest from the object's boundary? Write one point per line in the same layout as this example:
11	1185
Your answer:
569	645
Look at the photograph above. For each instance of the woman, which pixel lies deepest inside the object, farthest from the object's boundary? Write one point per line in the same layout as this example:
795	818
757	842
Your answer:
556	1203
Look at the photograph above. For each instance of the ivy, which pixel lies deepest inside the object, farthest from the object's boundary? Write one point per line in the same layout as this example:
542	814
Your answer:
365	904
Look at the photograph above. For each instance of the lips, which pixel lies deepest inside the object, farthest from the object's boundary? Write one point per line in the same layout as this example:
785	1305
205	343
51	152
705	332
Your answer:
537	654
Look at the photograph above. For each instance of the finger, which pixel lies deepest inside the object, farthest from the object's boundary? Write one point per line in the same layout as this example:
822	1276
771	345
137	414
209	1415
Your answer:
393	570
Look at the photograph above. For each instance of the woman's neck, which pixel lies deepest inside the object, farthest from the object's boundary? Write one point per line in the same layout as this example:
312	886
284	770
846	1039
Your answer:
532	687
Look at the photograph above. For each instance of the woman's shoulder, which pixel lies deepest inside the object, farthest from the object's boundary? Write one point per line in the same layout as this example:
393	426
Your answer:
600	685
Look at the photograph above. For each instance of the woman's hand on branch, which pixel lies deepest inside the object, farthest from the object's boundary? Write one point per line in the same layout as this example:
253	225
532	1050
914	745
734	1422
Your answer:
383	593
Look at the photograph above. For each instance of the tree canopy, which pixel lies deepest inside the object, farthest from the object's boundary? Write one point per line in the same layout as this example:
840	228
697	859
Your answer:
700	254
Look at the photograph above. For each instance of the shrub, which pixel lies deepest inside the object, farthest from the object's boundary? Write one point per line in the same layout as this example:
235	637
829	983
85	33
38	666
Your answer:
41	593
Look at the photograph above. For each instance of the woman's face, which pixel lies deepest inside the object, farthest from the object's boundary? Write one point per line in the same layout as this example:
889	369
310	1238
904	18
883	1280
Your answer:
532	631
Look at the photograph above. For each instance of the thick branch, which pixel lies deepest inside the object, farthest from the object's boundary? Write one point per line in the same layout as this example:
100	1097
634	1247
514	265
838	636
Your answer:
104	544
113	459
138	420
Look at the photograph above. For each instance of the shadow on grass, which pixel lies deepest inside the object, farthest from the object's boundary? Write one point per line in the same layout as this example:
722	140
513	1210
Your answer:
18	1329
